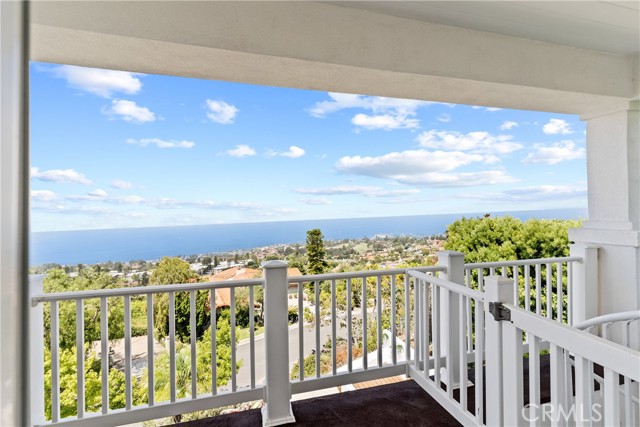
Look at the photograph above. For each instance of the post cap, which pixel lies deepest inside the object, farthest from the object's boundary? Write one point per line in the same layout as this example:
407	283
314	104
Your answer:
275	264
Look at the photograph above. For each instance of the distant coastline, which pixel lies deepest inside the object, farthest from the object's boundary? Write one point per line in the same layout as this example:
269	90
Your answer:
92	246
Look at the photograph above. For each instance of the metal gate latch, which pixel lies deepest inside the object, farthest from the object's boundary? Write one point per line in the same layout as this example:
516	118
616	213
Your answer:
499	311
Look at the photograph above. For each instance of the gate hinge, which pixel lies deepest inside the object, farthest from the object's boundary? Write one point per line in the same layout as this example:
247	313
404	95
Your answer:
499	311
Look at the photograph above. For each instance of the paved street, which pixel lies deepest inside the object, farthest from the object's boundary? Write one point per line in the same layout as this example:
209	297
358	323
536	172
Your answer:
244	375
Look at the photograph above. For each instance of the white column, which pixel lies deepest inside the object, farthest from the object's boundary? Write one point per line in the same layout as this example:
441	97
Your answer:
500	290
613	173
277	394
584	294
450	314
14	324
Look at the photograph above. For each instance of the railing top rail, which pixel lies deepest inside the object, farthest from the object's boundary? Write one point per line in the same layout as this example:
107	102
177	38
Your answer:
364	273
141	290
609	354
454	287
609	318
512	263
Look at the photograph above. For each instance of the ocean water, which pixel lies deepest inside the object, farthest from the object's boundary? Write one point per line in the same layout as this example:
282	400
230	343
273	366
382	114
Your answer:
125	244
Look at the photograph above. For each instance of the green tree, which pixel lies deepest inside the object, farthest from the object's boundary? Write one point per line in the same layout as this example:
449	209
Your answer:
88	279
176	271
316	254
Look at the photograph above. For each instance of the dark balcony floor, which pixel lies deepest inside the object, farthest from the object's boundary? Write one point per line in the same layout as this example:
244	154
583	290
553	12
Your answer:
401	404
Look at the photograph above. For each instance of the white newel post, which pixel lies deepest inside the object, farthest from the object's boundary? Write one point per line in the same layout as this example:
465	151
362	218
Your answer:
450	315
36	353
497	289
584	296
512	353
277	396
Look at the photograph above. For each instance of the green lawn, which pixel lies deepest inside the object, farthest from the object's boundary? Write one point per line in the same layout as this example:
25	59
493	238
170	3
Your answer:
243	333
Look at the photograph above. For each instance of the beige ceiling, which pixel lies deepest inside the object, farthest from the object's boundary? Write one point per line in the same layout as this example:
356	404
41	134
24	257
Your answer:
608	26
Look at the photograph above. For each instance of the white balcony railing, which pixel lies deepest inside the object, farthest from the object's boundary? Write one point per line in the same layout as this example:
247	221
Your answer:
429	323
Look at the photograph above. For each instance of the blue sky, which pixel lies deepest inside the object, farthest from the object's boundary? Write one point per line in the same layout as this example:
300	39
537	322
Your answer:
112	149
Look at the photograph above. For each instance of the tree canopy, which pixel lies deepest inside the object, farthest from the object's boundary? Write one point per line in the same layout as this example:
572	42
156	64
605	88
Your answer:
488	238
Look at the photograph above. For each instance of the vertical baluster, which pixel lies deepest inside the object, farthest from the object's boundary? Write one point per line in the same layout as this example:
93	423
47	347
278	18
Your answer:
379	318
463	352
127	353
527	288
150	354
417	337
583	392
317	315
349	327
629	414
534	379
611	398
232	302
394	329
252	338
492	271
516	285
538	289
505	272
549	270
55	363
214	350
334	319
407	319
560	293
104	353
479	358
364	324
467	273
435	322
172	345
557	383
301	331
80	356
192	339
569	292
480	279
425	325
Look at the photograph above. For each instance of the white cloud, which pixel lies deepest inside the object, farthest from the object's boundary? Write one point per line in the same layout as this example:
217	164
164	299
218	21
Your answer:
221	112
555	153
129	111
557	127
126	200
355	189
99	82
318	201
489	109
423	167
121	185
385	121
98	193
60	176
43	195
293	152
535	194
388	113
444	118
241	151
160	143
476	142
340	101
508	124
